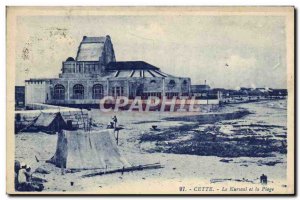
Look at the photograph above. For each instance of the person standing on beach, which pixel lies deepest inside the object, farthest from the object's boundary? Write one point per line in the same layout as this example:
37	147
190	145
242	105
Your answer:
28	174
22	178
115	120
17	169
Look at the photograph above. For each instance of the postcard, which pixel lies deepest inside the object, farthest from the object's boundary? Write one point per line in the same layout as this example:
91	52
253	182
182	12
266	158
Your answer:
150	100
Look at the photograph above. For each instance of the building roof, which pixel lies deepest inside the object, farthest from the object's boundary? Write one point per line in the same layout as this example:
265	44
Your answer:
90	48
135	69
130	65
38	80
45	119
93	39
70	59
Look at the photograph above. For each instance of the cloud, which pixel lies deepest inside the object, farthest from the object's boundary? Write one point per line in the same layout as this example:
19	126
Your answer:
151	30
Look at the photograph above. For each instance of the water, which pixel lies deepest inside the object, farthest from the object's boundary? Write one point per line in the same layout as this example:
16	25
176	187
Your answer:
262	133
269	118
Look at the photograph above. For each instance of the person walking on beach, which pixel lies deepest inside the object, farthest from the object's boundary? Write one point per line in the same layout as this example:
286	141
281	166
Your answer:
263	179
115	120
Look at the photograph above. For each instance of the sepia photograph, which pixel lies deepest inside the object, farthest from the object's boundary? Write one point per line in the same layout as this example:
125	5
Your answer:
150	100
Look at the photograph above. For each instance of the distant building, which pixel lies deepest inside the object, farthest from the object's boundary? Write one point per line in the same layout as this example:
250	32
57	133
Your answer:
245	89
203	92
37	90
199	88
19	96
95	73
278	92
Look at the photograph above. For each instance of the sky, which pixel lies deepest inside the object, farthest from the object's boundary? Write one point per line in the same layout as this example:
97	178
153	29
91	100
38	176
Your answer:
226	51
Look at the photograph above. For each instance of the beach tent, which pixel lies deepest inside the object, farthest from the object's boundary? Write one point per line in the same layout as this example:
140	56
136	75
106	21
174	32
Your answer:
87	150
50	122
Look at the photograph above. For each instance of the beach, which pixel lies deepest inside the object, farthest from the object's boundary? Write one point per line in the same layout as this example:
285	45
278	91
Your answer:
252	138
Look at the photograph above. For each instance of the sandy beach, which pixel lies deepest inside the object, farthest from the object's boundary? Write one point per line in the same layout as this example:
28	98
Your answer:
184	146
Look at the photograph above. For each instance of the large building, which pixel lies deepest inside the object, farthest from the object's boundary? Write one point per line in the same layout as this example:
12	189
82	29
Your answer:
95	73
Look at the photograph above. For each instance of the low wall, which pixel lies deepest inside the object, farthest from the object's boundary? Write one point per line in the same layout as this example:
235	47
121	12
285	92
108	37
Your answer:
82	102
40	106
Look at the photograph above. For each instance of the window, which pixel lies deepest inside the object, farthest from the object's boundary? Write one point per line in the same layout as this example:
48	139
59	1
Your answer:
139	90
152	82
59	92
184	87
98	91
117	91
79	67
172	83
78	91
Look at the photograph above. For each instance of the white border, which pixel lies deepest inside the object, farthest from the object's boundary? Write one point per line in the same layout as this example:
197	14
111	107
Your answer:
4	3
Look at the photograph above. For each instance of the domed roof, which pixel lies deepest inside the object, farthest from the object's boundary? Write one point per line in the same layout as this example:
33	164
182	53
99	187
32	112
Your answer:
70	59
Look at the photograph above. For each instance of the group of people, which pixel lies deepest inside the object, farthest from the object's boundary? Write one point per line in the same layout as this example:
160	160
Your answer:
23	178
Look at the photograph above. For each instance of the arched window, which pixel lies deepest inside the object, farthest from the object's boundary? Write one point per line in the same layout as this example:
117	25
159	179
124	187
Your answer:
152	82
172	83
184	88
59	92
98	91
78	91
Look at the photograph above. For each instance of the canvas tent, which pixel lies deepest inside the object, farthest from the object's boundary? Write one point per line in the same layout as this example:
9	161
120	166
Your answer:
87	150
50	122
45	121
